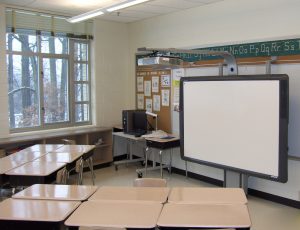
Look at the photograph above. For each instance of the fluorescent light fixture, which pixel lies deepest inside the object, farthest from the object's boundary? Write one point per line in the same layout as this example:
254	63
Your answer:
85	16
98	12
126	4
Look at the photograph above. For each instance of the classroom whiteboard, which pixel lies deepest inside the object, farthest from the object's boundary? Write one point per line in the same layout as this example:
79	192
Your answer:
238	123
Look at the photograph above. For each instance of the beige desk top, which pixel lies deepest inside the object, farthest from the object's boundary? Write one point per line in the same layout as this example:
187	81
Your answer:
56	192
191	195
128	136
36	210
205	216
144	194
163	140
7	164
115	214
24	156
60	157
74	148
35	168
43	148
17	159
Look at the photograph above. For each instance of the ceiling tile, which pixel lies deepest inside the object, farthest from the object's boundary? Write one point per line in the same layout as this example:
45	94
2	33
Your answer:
138	14
142	11
16	2
178	4
153	9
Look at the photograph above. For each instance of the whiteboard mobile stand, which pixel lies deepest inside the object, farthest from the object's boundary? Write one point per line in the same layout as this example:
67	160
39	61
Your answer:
231	178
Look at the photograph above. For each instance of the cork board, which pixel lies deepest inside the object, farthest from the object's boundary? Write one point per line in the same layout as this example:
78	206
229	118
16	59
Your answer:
153	93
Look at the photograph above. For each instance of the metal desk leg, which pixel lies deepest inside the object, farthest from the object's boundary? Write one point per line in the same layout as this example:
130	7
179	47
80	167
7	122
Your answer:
146	160
186	169
160	161
79	182
170	164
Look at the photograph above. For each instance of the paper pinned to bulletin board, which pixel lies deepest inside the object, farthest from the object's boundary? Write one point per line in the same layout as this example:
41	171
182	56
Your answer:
176	75
153	93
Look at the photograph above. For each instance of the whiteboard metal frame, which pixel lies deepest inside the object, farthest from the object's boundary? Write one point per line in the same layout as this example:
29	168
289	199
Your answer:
283	124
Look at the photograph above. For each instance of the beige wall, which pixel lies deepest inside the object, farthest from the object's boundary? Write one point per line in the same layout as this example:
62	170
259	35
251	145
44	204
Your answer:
110	63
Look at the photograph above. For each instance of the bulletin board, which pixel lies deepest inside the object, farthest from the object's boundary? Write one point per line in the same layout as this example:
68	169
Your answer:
153	93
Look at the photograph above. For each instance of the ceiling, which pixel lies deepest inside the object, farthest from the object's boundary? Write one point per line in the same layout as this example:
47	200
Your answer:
135	13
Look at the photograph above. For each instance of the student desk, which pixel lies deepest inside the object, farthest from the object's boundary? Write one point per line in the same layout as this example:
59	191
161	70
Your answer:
34	214
56	192
74	148
130	140
64	157
161	144
44	147
69	158
114	214
34	172
140	194
204	216
193	195
15	160
87	152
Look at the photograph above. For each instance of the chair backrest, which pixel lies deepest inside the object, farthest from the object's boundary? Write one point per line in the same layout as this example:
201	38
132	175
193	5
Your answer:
149	182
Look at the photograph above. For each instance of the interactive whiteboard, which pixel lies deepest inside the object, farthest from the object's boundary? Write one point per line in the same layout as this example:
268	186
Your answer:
238	123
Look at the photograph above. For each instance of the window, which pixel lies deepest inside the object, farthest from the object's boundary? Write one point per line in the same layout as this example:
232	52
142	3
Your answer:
48	80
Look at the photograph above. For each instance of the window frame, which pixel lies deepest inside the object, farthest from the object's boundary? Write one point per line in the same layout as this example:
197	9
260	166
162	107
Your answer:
71	79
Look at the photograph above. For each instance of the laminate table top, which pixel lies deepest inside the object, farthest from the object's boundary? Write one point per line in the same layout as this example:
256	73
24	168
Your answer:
140	194
115	214
43	147
35	168
56	192
64	157
196	195
204	216
74	148
36	210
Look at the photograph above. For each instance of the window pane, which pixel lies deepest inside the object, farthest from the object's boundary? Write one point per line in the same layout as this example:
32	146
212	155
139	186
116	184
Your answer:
80	51
53	45
81	72
23	91
55	82
81	112
21	42
81	92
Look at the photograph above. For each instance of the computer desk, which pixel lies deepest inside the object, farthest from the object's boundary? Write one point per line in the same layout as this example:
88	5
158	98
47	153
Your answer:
140	194
112	214
130	140
35	214
56	192
161	144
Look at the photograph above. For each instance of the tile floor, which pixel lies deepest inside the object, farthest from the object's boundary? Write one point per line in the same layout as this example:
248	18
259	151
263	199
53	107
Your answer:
265	215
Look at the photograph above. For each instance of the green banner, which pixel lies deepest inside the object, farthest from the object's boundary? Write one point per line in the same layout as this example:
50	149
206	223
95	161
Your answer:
257	49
